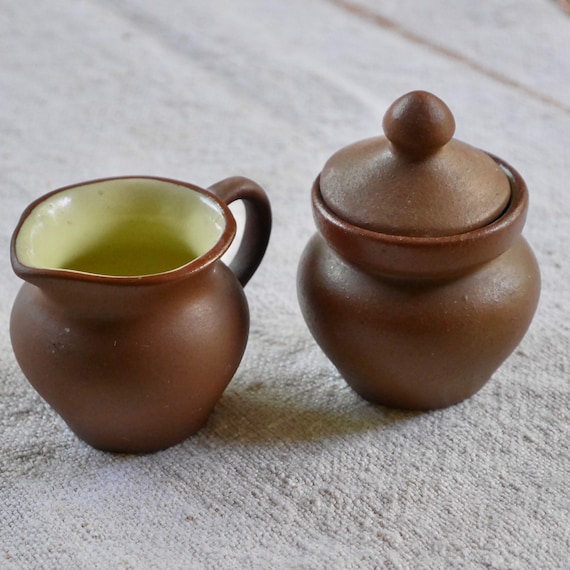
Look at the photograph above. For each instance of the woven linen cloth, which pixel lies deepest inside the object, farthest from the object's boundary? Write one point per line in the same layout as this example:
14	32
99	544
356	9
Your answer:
293	469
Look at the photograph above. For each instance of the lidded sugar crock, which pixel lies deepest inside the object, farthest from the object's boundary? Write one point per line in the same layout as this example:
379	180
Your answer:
418	284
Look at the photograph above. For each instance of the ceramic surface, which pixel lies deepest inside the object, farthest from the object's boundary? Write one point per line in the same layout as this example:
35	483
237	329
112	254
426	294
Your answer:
129	324
420	318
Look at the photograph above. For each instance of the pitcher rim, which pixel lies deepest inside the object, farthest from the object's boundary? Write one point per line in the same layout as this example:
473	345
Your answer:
26	272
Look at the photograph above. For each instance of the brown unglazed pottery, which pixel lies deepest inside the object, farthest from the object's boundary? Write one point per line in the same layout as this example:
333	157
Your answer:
129	324
418	284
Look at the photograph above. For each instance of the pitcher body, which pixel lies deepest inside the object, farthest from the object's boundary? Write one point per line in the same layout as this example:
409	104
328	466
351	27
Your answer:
129	325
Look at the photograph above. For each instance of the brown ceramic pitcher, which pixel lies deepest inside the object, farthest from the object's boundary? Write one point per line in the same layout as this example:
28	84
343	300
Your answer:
418	284
129	324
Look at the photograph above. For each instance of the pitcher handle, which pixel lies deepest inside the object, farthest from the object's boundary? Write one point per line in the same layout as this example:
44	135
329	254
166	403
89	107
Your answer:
257	223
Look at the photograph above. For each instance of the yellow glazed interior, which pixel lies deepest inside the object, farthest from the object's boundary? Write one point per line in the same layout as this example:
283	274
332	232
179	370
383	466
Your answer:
122	227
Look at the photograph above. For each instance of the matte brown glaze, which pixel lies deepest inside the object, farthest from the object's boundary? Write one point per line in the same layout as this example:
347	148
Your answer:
419	321
417	180
137	364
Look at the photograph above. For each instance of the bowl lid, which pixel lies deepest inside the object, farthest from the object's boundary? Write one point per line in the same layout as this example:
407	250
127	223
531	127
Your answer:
417	180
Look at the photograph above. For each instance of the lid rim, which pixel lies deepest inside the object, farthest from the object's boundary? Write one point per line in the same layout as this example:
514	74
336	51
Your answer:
431	256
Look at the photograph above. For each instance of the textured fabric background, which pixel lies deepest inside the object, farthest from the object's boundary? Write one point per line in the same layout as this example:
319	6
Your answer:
293	470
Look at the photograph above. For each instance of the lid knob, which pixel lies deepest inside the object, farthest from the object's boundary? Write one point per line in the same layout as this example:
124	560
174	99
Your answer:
418	124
